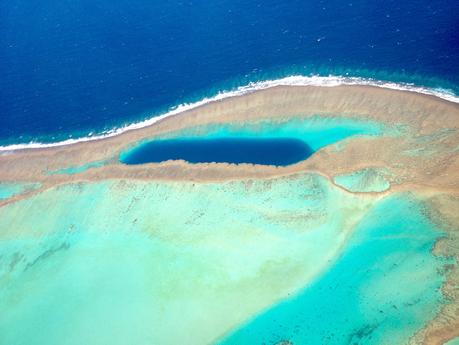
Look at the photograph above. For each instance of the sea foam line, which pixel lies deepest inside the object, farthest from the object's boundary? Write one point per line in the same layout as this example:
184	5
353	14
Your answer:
296	80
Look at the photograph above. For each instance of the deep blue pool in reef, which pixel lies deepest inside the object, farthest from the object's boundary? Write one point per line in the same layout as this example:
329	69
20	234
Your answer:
266	151
262	142
70	68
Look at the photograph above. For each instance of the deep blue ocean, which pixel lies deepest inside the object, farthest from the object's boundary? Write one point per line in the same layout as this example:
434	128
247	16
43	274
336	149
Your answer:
70	68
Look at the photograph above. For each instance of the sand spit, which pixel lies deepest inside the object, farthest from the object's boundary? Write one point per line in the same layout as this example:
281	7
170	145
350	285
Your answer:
425	116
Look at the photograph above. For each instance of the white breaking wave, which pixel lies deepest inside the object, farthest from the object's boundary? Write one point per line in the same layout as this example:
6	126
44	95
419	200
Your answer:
296	80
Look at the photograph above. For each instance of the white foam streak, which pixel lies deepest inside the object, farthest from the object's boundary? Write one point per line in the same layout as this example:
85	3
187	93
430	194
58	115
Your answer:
297	80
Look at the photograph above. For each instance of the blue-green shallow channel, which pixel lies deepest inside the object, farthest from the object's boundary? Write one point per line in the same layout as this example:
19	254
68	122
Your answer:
381	290
8	190
77	169
136	262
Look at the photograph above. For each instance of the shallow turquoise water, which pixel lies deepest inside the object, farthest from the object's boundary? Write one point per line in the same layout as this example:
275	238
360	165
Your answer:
77	169
132	262
454	341
7	190
383	288
316	131
124	262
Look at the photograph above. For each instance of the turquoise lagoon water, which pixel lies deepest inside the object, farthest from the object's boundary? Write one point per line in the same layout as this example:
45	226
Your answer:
133	262
77	169
315	132
381	290
171	263
7	190
454	341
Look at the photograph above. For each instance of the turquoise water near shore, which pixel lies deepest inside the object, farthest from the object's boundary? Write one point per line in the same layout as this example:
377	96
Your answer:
317	131
382	289
7	190
77	169
131	262
454	341
134	262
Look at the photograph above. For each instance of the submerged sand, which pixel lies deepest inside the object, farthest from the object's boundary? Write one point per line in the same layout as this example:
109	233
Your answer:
423	158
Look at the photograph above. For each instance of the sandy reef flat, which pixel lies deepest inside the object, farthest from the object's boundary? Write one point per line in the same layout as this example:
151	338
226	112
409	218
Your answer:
216	250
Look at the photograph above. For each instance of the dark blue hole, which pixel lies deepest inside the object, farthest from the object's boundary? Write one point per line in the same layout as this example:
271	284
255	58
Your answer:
266	151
